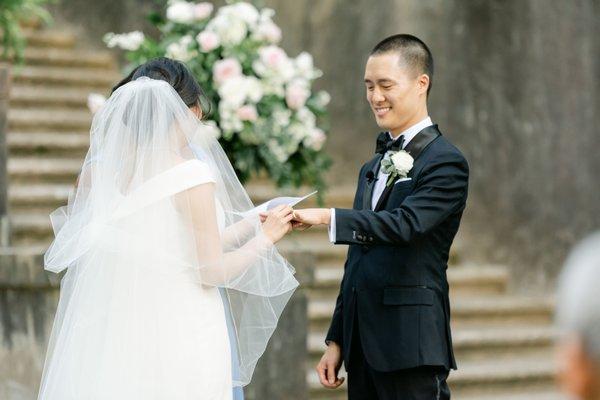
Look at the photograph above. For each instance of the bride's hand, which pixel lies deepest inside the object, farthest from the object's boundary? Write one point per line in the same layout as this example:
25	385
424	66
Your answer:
277	223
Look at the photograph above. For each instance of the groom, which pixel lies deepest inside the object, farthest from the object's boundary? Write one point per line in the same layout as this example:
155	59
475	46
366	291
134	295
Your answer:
391	324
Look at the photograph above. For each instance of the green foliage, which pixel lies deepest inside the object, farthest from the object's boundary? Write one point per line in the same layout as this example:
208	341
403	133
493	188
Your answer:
12	13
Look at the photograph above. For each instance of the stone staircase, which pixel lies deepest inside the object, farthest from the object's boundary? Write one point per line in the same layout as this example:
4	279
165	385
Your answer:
503	342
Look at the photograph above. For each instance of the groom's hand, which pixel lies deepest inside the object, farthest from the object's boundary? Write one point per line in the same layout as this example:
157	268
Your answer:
329	366
311	216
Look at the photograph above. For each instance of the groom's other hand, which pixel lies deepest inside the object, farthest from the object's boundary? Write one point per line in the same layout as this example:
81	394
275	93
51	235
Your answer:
329	366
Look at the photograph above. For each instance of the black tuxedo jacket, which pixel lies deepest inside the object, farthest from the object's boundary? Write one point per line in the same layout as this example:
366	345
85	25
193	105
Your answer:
395	274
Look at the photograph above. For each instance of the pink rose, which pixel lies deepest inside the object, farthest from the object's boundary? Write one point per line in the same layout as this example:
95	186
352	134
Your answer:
225	69
296	95
316	139
208	41
247	113
269	31
272	56
202	10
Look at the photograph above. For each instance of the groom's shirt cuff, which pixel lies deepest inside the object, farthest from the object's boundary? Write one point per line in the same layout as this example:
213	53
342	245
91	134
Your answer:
331	229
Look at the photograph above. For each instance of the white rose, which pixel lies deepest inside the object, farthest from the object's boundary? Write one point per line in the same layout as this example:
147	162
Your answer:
244	11
247	113
268	31
202	10
232	92
95	102
181	12
306	117
226	69
230	29
274	64
305	67
253	89
403	162
323	98
316	139
296	94
180	50
127	41
208	41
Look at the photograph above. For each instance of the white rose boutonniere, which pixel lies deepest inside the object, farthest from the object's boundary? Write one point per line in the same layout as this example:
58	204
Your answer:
398	165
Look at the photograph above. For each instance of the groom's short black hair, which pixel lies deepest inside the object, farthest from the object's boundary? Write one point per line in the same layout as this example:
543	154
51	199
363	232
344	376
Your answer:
413	51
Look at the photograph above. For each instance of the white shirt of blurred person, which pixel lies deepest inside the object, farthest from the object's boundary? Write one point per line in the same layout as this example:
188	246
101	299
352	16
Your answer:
578	317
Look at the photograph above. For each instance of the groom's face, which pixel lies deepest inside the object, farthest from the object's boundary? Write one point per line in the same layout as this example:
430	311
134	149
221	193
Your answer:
394	91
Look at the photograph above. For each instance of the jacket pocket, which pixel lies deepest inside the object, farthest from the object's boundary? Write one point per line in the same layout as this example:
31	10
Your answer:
408	296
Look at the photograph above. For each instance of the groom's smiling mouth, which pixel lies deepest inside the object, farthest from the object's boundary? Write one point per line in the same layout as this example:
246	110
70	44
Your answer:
381	111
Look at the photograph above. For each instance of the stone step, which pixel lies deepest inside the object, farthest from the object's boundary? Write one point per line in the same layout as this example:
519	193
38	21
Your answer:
37	195
489	379
61	57
494	377
62	120
61	76
463	280
472	344
44	169
48	38
27	96
540	394
48	143
466	312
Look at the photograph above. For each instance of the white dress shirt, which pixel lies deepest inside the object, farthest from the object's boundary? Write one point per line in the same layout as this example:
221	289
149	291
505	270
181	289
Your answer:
382	177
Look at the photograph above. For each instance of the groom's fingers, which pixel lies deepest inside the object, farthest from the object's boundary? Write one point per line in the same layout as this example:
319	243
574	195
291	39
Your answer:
331	375
321	372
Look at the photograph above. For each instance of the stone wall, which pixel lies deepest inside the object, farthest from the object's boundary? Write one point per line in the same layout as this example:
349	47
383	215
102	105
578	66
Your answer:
515	88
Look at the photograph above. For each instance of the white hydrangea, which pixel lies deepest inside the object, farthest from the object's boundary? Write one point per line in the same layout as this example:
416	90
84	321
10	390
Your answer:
268	31
127	41
278	150
281	117
181	50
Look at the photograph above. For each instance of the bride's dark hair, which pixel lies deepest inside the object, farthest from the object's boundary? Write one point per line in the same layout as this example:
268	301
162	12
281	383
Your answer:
177	75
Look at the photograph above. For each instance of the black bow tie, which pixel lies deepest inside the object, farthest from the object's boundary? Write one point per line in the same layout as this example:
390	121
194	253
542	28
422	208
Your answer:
385	143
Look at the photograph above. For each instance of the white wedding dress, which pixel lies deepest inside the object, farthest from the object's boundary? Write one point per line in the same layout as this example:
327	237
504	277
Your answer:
148	244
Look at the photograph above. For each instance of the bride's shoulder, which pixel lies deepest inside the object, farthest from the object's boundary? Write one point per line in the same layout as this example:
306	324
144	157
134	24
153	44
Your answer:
196	168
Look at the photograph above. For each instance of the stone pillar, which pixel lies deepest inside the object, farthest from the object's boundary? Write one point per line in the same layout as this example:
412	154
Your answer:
281	372
4	93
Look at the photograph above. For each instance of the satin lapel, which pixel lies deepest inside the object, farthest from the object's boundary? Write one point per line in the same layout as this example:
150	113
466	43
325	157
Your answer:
368	192
415	148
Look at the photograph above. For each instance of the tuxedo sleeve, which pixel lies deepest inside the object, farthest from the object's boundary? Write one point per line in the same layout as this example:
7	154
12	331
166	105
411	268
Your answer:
440	190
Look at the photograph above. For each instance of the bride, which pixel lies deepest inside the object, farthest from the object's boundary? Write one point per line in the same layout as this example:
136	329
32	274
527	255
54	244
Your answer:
172	287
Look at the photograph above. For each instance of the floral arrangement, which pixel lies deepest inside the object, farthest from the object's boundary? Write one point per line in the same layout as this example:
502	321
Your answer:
266	116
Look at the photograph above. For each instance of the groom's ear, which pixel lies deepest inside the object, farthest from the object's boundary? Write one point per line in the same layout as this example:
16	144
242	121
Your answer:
423	83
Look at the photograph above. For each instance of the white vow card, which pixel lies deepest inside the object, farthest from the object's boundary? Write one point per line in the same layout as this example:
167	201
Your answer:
277	201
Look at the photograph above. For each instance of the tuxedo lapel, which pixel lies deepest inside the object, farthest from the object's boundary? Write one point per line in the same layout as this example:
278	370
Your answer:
415	148
369	185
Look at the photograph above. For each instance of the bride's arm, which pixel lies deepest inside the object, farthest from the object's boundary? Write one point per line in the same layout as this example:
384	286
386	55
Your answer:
216	266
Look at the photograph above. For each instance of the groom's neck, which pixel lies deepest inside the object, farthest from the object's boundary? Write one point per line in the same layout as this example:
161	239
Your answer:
415	119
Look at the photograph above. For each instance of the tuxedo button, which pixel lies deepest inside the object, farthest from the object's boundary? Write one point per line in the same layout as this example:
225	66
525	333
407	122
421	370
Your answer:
370	239
360	237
